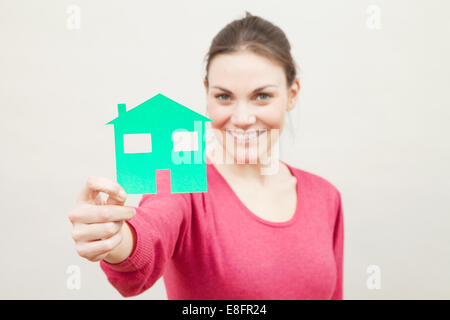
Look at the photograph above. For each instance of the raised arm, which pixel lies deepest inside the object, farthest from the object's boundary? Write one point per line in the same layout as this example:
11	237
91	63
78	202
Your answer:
158	226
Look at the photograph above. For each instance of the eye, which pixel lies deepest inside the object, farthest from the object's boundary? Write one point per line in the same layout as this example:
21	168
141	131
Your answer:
264	94
222	95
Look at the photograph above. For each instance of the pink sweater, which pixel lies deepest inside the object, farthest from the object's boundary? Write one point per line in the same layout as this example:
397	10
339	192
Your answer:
211	246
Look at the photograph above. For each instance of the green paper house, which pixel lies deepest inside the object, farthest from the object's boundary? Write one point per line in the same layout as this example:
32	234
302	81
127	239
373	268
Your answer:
156	135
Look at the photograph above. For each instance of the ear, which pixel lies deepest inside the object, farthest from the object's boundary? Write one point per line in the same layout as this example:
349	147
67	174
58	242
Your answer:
205	84
293	95
206	92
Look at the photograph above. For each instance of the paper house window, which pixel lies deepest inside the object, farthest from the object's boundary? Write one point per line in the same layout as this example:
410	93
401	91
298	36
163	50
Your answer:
185	141
137	143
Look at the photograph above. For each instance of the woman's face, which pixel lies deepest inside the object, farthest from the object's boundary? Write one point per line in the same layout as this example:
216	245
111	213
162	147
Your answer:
247	100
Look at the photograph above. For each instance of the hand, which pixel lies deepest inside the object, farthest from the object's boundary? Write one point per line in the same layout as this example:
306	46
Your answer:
98	224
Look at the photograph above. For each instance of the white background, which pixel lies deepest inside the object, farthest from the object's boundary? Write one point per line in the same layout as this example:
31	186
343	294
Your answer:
372	119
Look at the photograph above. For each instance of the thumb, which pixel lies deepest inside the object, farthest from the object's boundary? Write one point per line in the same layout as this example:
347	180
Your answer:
119	201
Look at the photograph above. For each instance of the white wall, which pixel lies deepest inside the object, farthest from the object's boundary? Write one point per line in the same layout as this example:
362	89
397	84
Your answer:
372	118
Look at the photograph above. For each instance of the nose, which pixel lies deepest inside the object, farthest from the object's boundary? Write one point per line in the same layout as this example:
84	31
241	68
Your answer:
241	117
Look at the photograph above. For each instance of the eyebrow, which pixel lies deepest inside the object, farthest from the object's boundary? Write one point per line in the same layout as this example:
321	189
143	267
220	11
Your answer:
257	89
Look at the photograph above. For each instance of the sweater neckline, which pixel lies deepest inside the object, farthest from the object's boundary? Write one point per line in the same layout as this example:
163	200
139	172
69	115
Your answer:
255	216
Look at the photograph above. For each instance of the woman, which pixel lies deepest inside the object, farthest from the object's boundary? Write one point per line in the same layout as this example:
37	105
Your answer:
277	235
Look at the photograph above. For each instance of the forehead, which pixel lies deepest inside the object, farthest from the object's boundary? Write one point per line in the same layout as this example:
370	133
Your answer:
244	69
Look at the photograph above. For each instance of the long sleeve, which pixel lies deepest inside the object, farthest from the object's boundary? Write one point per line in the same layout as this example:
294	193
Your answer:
160	223
210	246
338	248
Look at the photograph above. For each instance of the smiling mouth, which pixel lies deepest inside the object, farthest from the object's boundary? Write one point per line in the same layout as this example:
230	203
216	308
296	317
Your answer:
244	137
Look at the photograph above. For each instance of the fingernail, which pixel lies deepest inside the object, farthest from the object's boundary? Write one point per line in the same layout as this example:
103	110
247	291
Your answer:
123	195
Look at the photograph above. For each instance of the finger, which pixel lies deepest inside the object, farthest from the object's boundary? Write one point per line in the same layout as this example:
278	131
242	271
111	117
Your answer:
99	200
100	257
88	213
95	184
91	249
95	231
115	201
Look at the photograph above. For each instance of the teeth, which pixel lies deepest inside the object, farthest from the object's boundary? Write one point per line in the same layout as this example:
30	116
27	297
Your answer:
241	136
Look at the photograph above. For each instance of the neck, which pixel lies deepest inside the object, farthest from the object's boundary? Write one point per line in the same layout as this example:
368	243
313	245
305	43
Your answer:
246	171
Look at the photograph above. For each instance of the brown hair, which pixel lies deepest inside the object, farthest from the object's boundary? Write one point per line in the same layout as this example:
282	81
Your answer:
257	35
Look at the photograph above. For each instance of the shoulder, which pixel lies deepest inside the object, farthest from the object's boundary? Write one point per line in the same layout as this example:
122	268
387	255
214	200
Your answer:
316	185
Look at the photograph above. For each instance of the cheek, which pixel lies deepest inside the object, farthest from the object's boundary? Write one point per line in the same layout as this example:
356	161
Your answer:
273	118
219	116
